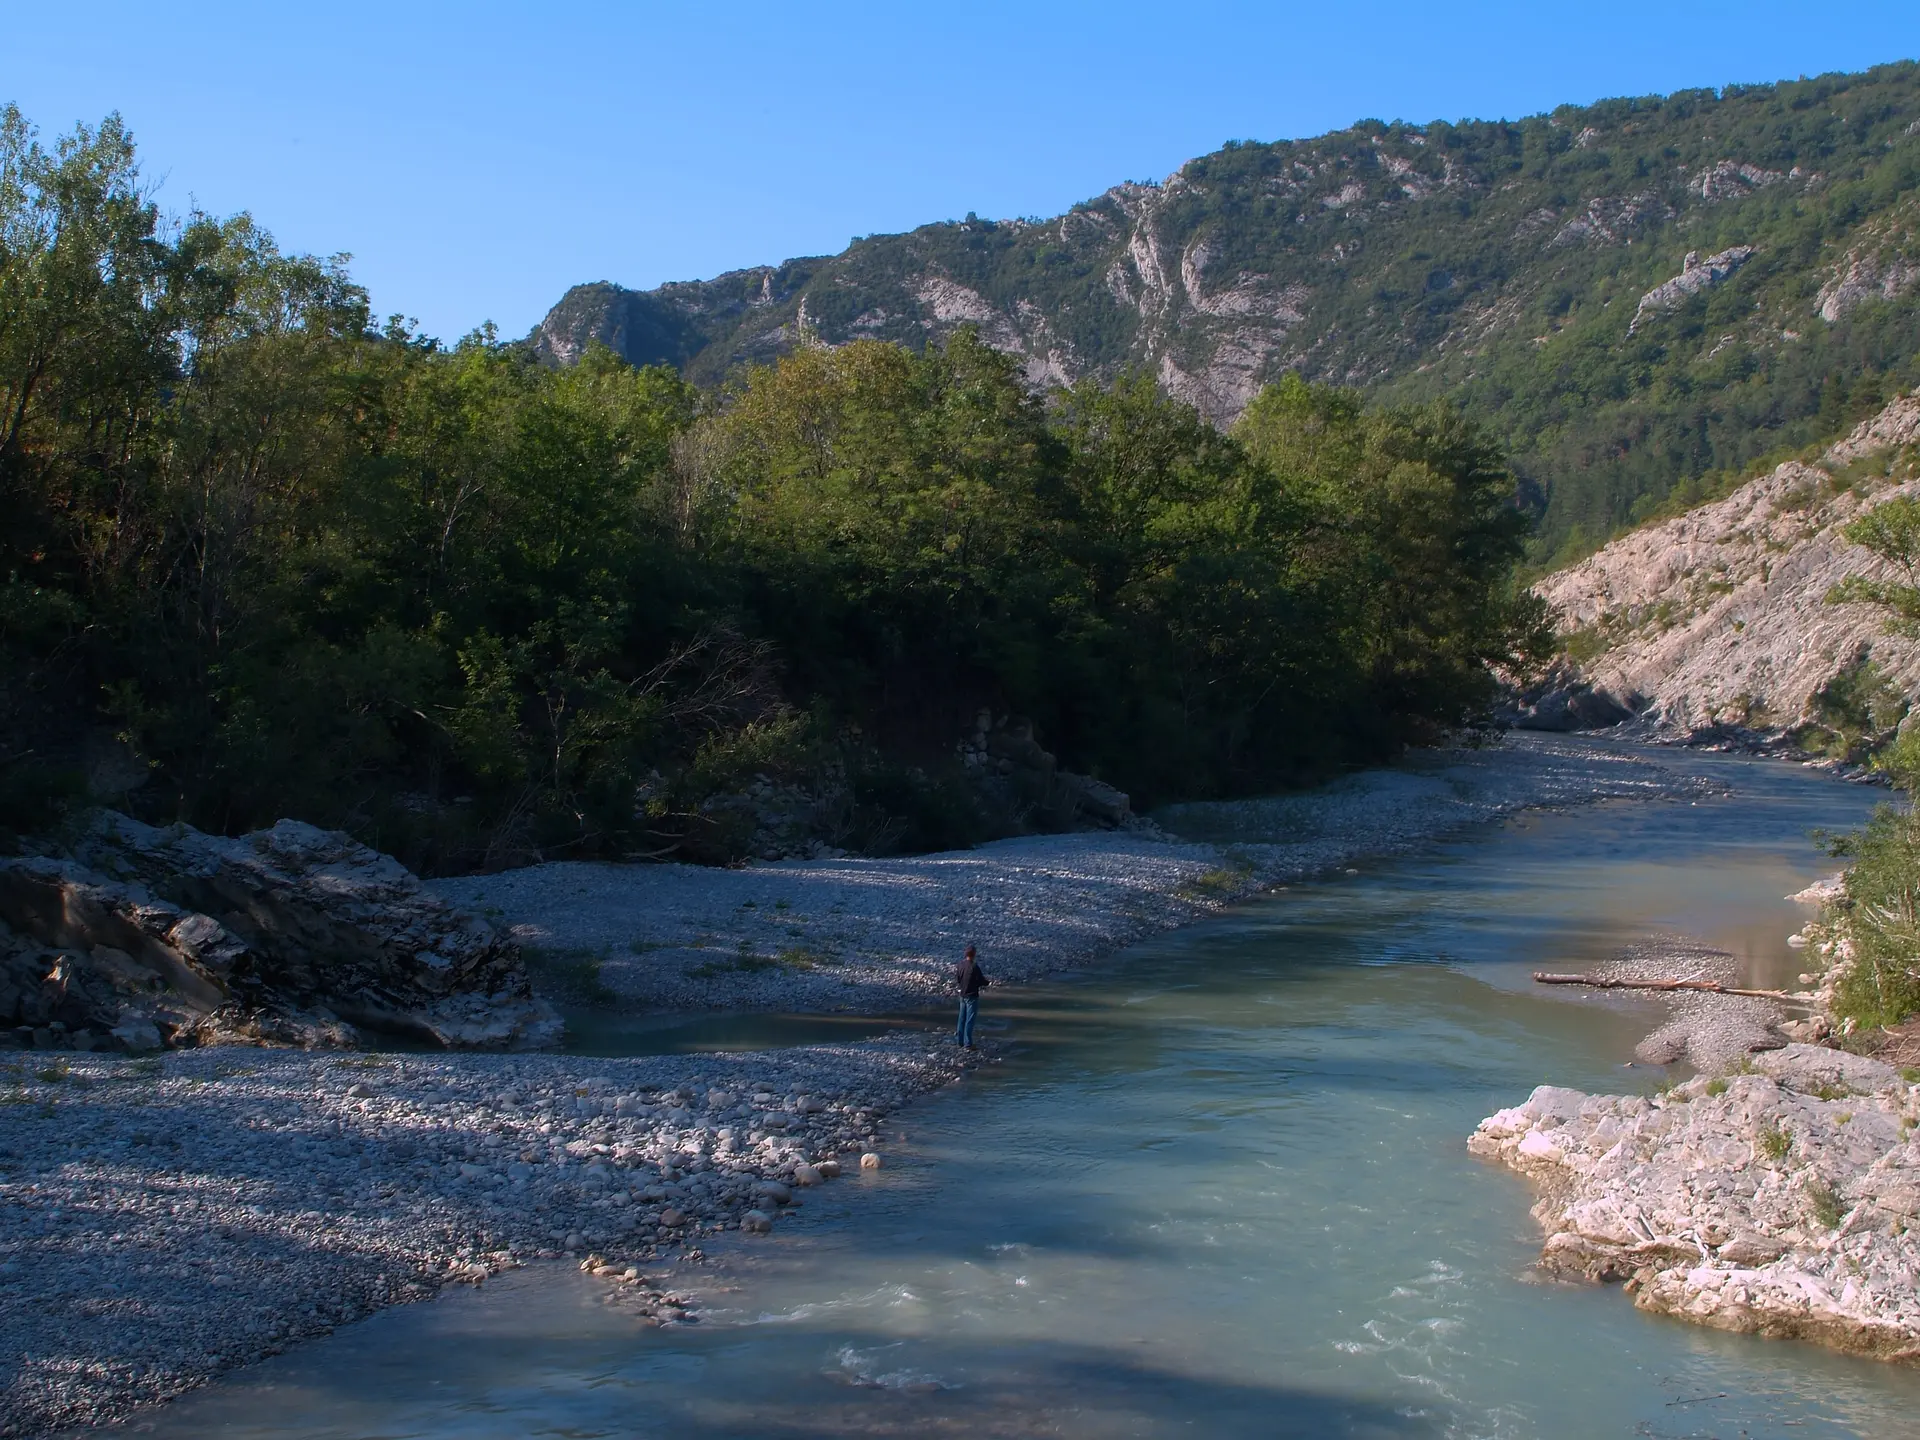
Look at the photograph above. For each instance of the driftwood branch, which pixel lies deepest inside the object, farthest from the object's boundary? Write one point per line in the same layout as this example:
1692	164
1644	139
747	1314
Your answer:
1612	982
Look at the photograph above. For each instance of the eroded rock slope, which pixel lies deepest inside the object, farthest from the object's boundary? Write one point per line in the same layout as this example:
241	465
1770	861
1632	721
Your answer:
1719	617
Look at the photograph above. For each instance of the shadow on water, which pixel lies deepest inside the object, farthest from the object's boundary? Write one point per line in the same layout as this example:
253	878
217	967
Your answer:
585	1372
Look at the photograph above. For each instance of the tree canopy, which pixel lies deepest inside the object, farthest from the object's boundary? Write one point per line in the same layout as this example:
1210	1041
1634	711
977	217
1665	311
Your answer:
478	609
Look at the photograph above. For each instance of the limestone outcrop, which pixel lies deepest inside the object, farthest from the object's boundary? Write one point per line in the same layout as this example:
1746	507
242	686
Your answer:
1563	699
1719	617
1695	276
142	937
1780	1201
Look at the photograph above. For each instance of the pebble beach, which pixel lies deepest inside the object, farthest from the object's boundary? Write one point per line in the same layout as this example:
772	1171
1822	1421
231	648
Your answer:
168	1218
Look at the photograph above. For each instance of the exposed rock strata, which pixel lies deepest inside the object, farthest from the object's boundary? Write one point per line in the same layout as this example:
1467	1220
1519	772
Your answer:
292	935
1883	264
1244	265
1719	617
1779	1202
1563	700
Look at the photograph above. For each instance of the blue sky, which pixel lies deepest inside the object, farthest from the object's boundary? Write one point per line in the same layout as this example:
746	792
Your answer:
478	158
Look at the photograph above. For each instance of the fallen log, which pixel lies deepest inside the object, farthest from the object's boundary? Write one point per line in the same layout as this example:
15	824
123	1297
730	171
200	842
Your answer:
1614	982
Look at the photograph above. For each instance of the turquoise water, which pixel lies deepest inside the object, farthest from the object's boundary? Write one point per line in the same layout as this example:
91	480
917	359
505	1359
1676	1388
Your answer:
1217	1187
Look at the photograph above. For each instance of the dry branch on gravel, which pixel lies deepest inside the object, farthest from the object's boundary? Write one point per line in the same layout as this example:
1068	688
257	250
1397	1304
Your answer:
1615	982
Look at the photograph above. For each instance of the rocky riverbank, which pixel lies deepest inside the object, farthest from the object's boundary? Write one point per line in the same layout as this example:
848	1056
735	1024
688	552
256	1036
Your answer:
168	1217
1778	1200
129	938
881	935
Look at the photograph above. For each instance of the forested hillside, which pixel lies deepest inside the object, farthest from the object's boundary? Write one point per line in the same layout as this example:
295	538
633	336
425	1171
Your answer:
259	558
1537	271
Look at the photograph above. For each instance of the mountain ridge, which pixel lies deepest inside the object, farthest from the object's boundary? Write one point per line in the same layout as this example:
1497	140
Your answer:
1535	270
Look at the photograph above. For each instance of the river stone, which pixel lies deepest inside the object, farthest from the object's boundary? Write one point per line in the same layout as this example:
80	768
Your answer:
806	1175
1812	1067
137	1036
756	1222
870	1161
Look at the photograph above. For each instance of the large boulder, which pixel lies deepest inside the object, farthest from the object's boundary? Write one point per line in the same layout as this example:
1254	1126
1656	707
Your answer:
1563	699
1008	753
292	935
1783	1203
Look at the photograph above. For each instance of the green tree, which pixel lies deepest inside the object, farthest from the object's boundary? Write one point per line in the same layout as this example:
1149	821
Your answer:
1890	531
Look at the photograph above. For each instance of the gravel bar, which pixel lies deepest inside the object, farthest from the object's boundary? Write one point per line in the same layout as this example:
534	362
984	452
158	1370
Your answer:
881	936
166	1219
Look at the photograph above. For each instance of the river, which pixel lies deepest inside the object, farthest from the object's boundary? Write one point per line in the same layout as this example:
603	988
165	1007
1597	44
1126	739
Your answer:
1217	1186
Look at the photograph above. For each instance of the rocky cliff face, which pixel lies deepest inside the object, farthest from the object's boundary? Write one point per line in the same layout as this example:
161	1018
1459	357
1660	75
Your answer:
1719	617
1239	267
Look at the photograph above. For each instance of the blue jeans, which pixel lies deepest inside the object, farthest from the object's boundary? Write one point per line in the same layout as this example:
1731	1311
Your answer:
969	1012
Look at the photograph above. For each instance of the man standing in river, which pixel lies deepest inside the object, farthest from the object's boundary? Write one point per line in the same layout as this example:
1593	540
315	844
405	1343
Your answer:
972	980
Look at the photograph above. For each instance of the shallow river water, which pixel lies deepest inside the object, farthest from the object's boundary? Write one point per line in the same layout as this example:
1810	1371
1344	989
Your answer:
1217	1187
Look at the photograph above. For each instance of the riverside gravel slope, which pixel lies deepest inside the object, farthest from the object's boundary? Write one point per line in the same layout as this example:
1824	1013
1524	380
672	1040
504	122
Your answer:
167	1219
163	1220
882	935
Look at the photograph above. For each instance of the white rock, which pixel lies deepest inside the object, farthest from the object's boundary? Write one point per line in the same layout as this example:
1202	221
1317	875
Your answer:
1535	1145
1718	615
1718	1202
